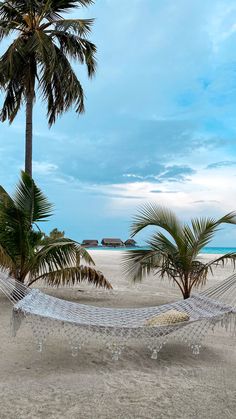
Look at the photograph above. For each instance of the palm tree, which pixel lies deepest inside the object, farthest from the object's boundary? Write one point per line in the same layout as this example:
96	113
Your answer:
55	234
25	253
174	252
39	58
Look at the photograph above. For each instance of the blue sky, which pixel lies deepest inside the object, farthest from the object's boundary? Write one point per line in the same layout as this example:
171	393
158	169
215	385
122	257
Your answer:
160	121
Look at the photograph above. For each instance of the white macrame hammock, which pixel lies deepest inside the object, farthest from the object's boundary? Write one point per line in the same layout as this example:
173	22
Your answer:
120	327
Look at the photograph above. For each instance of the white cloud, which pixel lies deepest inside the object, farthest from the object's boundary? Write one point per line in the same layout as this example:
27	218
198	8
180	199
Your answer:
221	23
213	191
44	168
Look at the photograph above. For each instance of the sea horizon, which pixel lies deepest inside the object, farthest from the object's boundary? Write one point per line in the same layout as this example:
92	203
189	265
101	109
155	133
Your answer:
206	250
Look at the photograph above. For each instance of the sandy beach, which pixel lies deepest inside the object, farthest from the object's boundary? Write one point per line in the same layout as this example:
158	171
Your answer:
56	385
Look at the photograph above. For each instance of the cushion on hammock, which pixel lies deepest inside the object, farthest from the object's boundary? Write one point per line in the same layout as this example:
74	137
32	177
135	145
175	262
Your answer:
169	317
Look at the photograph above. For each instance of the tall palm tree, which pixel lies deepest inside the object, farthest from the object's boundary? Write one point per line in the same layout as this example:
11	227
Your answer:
174	251
39	58
26	254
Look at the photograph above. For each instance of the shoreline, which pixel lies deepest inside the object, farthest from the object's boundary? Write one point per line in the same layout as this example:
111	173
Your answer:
208	250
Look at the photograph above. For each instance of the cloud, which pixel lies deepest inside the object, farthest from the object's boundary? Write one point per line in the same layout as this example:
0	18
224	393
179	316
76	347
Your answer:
114	154
166	173
177	173
220	164
204	201
158	191
44	168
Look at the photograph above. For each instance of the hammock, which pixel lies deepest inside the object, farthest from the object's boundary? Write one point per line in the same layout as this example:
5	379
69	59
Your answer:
185	320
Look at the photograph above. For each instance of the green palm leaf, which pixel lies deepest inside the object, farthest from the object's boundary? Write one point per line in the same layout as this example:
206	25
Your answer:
140	263
153	215
80	27
30	200
74	275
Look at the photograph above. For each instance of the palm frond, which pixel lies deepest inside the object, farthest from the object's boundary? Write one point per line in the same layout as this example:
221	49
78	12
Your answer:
72	276
10	216
6	261
204	230
136	264
5	198
159	242
83	254
77	48
57	254
31	201
222	260
54	9
60	87
13	233
80	27
12	101
6	28
61	5
12	11
69	45
229	218
154	215
13	66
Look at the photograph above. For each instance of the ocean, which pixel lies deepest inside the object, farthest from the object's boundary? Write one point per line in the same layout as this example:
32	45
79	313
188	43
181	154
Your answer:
206	250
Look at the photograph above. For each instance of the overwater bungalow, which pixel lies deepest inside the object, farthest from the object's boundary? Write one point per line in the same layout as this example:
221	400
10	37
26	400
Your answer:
90	243
112	243
130	243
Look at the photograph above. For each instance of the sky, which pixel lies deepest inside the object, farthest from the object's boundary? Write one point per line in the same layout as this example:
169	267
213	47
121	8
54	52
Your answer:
159	126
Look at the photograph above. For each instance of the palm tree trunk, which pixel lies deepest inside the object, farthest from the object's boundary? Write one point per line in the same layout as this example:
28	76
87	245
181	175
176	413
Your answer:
29	133
186	288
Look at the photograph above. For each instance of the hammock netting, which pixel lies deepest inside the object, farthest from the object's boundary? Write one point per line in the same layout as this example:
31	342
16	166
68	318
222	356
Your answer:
185	320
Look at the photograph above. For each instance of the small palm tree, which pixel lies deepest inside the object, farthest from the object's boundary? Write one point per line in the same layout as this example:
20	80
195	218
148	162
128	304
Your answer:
25	253
174	253
55	234
39	57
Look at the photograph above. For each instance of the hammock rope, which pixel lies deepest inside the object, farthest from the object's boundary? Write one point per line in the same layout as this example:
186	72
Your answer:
186	320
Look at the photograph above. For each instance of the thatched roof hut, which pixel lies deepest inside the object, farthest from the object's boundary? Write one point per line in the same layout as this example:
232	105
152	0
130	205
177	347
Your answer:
90	243
112	243
130	243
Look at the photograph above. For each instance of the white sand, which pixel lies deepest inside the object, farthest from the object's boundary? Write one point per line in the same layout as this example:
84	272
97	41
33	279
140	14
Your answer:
56	385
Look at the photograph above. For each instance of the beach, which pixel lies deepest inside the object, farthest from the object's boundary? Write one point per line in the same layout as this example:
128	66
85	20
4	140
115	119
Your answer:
54	385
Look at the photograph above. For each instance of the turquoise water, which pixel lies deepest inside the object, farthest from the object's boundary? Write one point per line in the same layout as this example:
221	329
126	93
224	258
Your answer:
218	250
207	250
